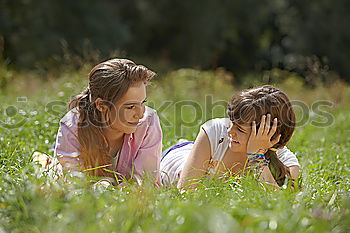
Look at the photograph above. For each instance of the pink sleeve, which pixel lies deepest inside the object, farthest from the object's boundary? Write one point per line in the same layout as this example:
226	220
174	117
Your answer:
148	156
67	147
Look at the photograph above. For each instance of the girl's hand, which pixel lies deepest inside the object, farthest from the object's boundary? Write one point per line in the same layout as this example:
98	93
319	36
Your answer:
260	142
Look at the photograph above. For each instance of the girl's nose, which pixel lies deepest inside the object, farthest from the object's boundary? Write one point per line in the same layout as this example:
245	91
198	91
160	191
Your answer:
140	112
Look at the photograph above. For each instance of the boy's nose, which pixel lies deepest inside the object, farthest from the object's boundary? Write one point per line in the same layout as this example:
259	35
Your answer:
231	131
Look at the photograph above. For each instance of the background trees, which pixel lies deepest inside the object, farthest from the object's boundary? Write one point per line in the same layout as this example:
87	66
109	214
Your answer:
241	35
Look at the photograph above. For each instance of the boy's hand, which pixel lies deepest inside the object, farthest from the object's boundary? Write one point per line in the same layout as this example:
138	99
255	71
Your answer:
260	142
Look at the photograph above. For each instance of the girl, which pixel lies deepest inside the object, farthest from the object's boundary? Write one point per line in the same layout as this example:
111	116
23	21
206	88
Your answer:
235	143
108	129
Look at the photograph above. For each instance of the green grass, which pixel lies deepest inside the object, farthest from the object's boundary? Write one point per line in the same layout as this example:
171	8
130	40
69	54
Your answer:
29	203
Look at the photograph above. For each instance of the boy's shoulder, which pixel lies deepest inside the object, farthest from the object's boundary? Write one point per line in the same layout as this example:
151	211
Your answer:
217	124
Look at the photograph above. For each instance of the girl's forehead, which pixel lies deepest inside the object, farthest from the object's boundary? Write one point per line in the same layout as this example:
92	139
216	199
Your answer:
135	93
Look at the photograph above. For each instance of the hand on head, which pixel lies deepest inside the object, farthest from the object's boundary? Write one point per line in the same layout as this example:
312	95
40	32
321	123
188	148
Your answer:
260	141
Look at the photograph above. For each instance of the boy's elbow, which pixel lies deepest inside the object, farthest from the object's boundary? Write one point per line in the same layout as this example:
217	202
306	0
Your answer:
294	171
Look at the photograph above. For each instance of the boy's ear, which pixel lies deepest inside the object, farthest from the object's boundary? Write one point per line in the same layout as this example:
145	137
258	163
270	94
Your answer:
100	105
282	145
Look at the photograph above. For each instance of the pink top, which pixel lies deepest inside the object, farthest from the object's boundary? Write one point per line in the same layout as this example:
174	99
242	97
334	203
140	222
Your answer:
142	148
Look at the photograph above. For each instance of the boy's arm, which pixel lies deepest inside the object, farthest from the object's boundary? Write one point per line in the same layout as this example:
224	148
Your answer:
294	171
197	162
267	177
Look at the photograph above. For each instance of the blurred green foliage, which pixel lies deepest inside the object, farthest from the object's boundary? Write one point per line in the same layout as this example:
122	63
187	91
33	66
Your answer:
243	36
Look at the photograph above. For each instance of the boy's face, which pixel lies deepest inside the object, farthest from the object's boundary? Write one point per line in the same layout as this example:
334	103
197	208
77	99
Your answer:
239	135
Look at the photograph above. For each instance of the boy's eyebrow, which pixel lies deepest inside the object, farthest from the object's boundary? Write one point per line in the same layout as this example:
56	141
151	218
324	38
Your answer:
239	127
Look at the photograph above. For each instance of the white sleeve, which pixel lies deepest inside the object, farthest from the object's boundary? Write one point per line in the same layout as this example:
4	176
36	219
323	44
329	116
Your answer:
287	157
214	128
209	129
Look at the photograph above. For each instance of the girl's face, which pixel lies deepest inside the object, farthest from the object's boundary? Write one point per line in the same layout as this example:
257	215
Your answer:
238	136
127	112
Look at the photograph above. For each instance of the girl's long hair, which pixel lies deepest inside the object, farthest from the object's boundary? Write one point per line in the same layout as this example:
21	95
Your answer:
109	81
249	105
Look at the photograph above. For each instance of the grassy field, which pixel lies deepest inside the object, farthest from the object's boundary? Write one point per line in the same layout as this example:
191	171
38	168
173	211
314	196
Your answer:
29	115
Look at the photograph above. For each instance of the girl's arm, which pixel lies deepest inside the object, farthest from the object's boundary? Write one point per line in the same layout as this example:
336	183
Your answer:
197	162
67	148
147	160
